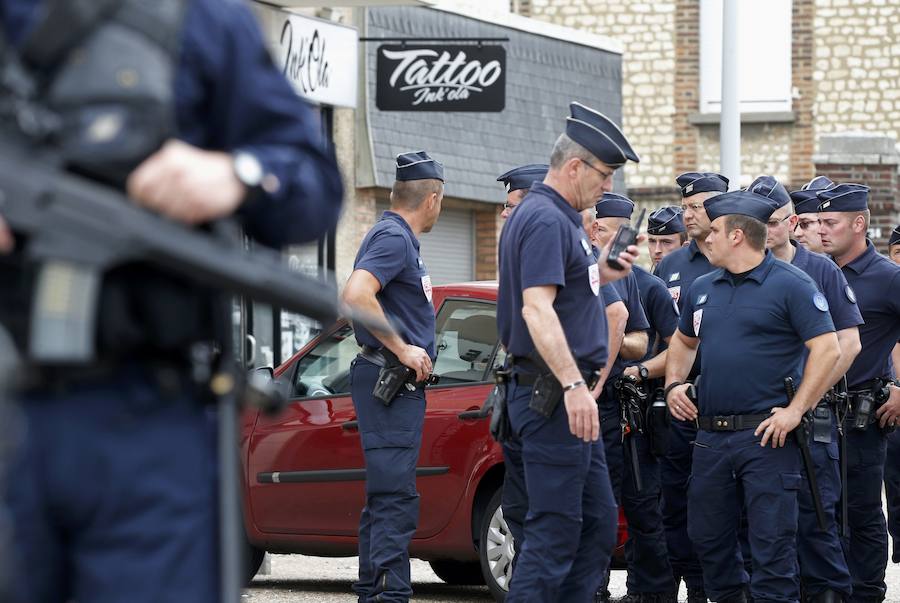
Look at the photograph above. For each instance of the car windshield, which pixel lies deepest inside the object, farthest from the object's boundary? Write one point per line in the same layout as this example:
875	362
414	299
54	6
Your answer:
466	342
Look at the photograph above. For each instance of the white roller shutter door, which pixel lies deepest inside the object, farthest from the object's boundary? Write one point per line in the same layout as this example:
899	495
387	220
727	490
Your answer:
448	250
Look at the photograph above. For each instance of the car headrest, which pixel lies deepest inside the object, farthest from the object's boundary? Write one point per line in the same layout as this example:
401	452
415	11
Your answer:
476	337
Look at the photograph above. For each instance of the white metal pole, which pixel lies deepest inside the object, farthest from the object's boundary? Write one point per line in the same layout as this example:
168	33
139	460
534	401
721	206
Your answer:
730	126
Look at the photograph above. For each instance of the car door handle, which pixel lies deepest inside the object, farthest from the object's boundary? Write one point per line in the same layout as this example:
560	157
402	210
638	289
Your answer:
471	415
350	425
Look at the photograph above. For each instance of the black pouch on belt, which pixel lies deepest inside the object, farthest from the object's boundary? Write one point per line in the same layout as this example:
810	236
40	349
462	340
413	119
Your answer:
545	394
821	424
390	380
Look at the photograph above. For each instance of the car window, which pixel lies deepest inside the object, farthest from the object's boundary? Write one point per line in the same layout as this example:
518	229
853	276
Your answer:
325	370
466	337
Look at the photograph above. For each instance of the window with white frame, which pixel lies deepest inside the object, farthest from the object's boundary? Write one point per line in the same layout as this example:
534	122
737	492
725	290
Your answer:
764	59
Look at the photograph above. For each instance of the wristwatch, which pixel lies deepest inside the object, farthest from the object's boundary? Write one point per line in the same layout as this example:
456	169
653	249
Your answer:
249	171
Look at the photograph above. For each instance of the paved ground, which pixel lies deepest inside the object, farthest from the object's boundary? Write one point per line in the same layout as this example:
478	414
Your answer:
296	578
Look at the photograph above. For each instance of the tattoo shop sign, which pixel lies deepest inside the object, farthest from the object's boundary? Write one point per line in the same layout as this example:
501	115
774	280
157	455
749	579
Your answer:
441	77
320	58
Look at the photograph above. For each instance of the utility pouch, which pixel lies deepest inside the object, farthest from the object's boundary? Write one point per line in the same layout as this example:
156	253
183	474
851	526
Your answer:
500	425
658	425
390	380
545	395
863	407
821	424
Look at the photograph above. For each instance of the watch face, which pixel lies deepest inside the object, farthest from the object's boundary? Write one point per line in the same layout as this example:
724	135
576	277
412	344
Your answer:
248	169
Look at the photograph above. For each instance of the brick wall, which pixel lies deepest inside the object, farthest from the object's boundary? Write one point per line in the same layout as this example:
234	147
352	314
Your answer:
867	159
487	234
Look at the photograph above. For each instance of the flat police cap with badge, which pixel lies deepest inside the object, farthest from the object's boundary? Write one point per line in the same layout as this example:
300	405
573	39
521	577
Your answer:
768	187
665	221
612	205
895	237
692	183
744	203
523	176
806	200
599	135
845	197
418	166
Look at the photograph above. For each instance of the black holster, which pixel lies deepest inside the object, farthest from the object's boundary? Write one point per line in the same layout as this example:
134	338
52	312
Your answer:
501	429
865	401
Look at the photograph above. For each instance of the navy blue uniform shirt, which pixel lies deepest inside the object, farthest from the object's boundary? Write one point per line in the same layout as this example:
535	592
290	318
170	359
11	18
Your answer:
831	282
876	282
660	308
609	295
752	335
229	96
543	243
390	252
680	269
637	319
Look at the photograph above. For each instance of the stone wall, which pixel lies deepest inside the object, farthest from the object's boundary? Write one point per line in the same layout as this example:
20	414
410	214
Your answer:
765	149
648	72
857	66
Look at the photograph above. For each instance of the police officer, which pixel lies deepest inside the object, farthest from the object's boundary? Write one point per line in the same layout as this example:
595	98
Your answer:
554	329
517	182
875	280
806	205
749	320
114	496
389	280
679	270
649	573
665	233
823	569
892	466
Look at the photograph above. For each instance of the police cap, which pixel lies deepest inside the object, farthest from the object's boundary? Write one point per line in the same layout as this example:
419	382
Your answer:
599	135
418	166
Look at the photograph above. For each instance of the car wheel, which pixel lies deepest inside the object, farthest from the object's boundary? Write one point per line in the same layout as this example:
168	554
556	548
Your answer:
253	558
496	548
458	573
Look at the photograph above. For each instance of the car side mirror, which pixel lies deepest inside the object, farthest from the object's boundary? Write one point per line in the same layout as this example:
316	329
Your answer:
263	391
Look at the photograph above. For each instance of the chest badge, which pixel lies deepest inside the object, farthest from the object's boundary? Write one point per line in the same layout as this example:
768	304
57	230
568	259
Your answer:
820	302
698	319
594	278
848	290
702	299
586	247
674	276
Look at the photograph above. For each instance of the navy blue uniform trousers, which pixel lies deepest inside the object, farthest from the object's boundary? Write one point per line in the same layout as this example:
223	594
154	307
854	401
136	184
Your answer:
822	563
866	546
391	437
116	484
571	514
645	551
675	471
892	491
769	480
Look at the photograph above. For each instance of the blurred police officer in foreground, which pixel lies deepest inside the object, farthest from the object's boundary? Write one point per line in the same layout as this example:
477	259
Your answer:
806	206
649	572
665	233
749	320
679	270
114	497
892	464
389	280
823	569
552	324
517	182
874	405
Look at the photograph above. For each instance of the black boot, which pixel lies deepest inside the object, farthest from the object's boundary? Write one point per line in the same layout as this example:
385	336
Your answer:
632	598
826	596
602	596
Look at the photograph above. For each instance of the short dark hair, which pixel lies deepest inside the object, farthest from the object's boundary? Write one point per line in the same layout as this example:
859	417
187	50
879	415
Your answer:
409	194
754	231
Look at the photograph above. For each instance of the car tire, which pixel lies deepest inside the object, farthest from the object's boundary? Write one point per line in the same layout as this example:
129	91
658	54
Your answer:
458	573
253	559
495	548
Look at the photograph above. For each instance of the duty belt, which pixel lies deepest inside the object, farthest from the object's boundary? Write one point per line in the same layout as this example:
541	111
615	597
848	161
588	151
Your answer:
527	371
379	357
731	422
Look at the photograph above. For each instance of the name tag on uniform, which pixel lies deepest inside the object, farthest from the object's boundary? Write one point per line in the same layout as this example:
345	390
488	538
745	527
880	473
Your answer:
594	278
426	287
675	292
698	318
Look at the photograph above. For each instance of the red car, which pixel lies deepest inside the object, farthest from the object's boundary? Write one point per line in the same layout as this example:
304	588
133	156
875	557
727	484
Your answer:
304	470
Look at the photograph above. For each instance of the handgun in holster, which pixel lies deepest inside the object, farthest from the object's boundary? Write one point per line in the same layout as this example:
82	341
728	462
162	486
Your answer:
547	391
865	403
500	427
393	376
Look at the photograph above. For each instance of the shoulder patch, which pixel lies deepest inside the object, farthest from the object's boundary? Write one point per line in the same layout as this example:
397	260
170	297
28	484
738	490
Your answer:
848	290
820	302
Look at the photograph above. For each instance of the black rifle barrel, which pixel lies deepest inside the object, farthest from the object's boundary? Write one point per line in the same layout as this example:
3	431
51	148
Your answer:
801	433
